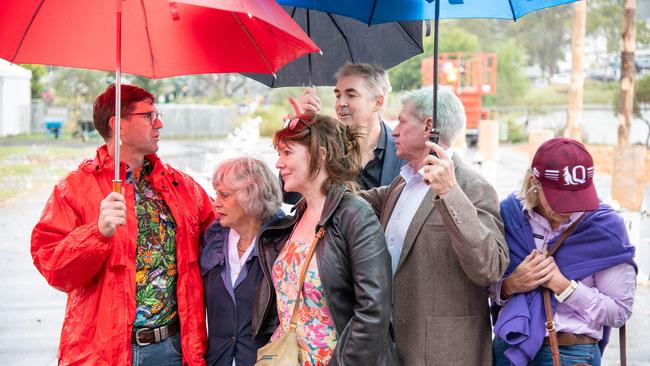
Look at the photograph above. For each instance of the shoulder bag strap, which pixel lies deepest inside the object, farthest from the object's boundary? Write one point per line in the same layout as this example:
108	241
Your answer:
565	234
294	316
548	309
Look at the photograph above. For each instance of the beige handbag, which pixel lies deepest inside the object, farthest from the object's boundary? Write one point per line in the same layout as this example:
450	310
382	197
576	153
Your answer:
284	351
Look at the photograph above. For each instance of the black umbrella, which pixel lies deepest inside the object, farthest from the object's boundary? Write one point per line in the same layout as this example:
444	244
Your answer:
343	39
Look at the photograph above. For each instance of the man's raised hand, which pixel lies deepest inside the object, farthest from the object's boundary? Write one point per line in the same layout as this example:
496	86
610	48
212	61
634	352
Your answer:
307	103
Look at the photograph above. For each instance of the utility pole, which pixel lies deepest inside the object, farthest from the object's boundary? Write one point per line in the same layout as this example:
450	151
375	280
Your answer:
628	70
576	88
628	166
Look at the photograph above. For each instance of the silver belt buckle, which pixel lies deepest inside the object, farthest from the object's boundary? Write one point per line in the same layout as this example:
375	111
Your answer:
137	337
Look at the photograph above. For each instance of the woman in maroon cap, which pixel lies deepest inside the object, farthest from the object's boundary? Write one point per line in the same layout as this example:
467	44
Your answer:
592	273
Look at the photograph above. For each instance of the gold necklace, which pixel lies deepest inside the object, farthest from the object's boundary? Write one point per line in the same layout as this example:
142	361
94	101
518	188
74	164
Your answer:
239	248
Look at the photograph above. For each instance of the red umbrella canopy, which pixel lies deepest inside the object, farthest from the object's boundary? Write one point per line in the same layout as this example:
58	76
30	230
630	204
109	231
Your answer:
160	38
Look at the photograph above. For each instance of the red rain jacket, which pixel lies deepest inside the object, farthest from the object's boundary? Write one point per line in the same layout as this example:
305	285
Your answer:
98	273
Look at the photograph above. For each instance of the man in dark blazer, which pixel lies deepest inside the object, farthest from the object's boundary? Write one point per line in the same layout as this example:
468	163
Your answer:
445	236
361	93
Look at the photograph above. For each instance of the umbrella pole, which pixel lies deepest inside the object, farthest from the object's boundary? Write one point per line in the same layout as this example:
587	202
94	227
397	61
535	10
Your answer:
309	54
117	183
435	131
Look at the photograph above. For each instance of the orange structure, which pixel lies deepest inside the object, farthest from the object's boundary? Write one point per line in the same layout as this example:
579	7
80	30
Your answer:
470	75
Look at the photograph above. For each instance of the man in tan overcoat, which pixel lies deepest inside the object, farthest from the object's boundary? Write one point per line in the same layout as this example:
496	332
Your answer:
445	236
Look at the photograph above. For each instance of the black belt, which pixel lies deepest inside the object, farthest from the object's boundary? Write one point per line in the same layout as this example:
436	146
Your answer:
145	336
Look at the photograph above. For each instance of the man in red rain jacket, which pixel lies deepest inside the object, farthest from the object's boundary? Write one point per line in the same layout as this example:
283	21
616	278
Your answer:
128	261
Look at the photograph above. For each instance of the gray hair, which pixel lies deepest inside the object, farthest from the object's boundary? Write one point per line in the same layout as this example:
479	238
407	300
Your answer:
529	192
258	189
376	78
451	113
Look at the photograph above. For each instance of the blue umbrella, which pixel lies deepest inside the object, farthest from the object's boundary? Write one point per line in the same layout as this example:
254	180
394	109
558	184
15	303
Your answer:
381	11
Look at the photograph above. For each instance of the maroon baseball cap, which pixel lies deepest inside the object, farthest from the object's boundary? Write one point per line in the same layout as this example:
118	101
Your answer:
565	169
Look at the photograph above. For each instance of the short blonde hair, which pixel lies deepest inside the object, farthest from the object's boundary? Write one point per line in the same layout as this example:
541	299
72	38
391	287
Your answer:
258	189
529	192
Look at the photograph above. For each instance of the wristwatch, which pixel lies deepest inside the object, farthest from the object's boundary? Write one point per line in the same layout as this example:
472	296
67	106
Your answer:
573	285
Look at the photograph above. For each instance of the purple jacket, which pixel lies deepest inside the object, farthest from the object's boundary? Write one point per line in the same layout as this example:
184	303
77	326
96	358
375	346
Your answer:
598	242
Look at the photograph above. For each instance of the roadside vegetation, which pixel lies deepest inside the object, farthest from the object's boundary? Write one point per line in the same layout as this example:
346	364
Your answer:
22	167
595	92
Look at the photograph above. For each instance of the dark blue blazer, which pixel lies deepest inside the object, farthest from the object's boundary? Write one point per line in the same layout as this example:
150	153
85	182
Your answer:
392	164
229	308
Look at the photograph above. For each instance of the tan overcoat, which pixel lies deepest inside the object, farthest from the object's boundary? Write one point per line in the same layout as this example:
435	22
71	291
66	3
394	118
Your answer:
453	249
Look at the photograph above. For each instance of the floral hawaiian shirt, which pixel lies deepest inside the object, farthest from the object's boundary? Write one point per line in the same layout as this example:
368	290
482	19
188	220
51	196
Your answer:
155	276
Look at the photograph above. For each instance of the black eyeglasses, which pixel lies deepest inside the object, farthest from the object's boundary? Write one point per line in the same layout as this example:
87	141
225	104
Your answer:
151	116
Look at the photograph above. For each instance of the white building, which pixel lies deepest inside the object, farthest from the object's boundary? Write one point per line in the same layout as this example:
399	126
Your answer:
15	99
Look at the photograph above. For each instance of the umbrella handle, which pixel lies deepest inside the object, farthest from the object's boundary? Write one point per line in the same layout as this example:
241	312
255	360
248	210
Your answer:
117	186
434	135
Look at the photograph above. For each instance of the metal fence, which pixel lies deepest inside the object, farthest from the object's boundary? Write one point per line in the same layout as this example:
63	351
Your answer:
187	120
38	115
197	120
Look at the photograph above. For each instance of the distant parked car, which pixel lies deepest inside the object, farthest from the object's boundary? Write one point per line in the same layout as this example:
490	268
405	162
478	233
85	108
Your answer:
563	78
612	71
607	73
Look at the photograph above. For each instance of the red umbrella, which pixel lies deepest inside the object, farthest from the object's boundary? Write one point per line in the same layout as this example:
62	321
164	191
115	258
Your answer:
161	37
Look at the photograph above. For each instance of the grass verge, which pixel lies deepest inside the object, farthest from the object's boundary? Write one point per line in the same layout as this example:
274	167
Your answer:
23	166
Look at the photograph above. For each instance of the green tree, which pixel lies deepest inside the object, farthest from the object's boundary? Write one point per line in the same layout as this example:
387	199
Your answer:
407	75
512	84
542	34
454	39
75	86
641	106
539	34
604	18
155	86
38	72
488	31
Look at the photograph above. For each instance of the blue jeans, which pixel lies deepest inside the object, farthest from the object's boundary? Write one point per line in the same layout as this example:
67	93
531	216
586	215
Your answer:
588	354
165	353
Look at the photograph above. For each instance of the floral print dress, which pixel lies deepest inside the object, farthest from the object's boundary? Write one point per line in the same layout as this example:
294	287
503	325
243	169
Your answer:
315	332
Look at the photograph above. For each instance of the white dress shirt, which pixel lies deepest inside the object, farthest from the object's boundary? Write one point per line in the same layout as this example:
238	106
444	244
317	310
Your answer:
405	209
